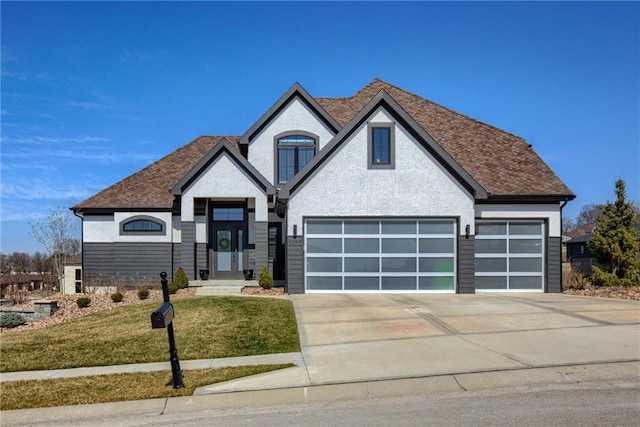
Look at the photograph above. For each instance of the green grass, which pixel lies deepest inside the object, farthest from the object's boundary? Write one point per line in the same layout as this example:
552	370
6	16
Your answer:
114	388
205	327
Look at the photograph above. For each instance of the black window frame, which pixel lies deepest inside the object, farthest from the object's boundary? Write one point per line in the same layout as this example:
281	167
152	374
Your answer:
159	222
297	166
372	164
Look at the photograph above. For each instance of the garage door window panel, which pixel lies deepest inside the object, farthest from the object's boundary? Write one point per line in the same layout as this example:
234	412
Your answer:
399	265
398	283
361	246
398	246
436	265
361	265
436	246
362	283
361	227
332	265
435	283
324	246
320	283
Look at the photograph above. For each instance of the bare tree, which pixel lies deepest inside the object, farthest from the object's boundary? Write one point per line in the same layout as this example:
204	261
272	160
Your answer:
588	214
41	263
19	262
57	233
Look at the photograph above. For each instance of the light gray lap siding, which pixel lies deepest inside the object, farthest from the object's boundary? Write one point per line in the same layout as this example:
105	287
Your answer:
295	265
554	265
129	262
466	265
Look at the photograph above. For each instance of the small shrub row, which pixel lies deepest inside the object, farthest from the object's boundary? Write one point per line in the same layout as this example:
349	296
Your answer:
11	320
116	297
143	293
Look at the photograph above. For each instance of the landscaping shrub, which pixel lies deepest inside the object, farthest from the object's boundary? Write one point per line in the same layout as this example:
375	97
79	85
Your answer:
143	293
11	320
265	280
83	302
173	287
116	297
180	278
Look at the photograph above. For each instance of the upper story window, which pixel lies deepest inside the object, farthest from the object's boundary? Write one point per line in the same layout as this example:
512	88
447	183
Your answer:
142	226
381	146
294	152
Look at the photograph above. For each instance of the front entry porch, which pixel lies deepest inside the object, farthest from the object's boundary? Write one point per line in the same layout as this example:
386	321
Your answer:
221	287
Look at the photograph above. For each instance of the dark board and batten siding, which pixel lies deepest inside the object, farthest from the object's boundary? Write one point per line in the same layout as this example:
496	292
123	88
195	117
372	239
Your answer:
188	249
295	265
466	265
127	261
554	265
201	258
261	253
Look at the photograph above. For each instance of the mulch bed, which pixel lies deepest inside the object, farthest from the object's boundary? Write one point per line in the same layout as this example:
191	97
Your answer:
257	290
619	292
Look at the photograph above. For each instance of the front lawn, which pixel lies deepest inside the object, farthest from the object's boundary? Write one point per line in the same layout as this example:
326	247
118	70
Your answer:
205	327
115	388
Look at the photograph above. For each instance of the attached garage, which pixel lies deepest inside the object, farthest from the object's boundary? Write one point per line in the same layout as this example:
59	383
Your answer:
380	255
509	256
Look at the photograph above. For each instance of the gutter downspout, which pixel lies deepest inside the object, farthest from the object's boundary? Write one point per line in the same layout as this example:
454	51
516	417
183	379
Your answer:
561	269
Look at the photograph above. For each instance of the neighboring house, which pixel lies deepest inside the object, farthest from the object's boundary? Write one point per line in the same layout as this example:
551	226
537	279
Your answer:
382	191
72	283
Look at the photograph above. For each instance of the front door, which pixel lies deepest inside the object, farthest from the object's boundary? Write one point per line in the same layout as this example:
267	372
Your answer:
227	242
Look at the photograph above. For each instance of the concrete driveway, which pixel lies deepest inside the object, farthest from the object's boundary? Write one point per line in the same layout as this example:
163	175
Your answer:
358	338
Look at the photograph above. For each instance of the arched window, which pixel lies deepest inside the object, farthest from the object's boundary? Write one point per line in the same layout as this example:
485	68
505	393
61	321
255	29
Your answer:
142	225
294	152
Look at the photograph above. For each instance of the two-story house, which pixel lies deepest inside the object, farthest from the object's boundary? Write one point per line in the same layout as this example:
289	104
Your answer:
383	191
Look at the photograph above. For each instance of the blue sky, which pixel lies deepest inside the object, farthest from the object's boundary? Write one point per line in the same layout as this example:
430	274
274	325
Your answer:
94	91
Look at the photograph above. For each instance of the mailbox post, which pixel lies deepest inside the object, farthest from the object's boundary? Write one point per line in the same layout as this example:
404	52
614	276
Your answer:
163	318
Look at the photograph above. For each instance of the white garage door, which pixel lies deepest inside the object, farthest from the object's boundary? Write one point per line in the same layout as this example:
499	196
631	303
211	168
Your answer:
509	256
372	255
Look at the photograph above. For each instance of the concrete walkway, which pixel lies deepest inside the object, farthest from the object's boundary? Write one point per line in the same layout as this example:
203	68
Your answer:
362	346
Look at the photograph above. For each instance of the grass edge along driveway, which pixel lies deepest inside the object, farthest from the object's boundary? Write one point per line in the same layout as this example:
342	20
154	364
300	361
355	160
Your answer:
205	328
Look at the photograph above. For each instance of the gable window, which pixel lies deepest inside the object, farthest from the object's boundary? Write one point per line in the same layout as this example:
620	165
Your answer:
381	146
142	226
294	152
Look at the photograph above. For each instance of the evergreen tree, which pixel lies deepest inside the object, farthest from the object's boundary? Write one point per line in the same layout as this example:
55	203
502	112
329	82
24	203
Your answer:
615	243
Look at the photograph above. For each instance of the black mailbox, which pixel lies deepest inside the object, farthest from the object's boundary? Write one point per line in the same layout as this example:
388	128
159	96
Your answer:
163	316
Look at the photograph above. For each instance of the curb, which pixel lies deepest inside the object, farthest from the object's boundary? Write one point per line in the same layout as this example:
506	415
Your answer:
459	382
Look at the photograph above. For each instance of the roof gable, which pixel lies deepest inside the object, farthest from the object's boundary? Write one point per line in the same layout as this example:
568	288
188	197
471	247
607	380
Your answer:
502	163
296	91
385	100
221	148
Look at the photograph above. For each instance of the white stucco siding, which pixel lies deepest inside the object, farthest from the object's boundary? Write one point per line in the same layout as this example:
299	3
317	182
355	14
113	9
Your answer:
224	180
296	116
551	213
345	186
106	228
